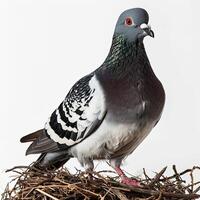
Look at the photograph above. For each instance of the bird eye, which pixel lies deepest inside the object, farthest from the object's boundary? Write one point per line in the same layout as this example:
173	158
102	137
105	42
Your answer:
128	21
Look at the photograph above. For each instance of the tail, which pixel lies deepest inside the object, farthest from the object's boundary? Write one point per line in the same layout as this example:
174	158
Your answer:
53	156
53	160
32	136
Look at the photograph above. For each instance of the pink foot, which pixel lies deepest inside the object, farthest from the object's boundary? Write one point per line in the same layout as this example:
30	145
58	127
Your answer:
126	180
130	182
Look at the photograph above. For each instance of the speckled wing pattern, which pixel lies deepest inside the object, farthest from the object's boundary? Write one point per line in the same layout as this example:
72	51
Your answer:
79	114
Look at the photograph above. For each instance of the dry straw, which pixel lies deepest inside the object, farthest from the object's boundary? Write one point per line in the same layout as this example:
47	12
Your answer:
36	184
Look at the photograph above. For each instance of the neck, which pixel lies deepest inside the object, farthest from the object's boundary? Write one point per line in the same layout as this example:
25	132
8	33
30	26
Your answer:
124	52
124	59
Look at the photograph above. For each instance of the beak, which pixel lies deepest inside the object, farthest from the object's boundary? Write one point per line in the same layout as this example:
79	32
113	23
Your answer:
147	30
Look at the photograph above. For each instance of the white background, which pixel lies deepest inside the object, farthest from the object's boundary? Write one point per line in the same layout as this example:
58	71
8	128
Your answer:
45	46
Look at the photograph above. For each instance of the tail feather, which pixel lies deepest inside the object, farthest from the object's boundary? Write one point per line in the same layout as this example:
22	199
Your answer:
52	160
41	143
52	155
32	136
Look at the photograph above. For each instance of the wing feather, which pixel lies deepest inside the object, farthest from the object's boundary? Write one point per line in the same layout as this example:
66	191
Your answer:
78	116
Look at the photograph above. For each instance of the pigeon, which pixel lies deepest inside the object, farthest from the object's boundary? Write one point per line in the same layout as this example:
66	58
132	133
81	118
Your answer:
109	112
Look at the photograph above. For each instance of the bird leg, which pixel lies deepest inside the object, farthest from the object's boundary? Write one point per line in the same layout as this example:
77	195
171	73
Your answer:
89	166
125	179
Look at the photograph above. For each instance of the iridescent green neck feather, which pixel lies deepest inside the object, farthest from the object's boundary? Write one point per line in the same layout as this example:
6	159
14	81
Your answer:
120	50
123	53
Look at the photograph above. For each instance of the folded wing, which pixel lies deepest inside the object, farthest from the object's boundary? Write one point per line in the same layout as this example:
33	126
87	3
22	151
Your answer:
77	117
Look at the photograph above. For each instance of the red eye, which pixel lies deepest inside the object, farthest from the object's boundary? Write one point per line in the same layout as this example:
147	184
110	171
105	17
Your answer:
129	21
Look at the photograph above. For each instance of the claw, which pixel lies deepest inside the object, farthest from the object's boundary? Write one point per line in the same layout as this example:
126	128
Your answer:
126	180
130	182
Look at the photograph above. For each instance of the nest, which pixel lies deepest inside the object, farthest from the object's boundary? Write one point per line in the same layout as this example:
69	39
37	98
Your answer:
31	183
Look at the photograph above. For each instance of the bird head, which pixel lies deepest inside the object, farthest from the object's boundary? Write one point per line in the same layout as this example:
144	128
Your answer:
133	25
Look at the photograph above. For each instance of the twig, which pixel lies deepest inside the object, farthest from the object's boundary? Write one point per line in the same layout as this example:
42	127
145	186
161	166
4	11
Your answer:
173	176
157	177
46	194
165	194
32	183
120	195
18	167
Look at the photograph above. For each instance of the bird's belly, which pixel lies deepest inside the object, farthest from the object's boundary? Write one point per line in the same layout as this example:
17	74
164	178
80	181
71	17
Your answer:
111	140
